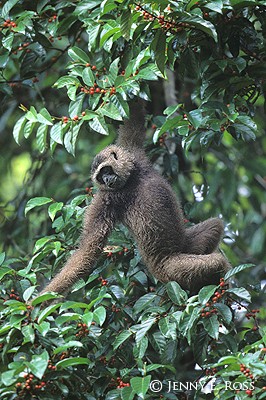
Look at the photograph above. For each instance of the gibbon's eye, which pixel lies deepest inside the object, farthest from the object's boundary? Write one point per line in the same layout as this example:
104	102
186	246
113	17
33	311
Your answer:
114	154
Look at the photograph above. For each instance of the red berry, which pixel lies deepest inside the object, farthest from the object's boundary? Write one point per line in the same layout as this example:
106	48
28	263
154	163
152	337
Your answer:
94	67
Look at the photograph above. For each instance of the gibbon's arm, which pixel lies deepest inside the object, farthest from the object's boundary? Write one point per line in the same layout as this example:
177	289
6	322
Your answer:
132	132
98	223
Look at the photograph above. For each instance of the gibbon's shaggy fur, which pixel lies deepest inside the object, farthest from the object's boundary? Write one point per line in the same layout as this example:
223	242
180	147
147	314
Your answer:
133	193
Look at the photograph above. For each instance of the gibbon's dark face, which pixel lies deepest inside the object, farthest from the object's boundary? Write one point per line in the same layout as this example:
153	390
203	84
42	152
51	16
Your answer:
111	168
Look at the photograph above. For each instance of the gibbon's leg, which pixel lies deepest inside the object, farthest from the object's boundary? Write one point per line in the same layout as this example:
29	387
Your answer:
193	271
204	238
97	226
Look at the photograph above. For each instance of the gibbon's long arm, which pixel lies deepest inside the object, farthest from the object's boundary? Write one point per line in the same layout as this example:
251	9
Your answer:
132	133
97	226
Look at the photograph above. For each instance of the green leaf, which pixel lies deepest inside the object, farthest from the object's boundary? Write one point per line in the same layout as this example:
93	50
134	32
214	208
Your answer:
38	364
140	385
69	362
176	293
98	124
113	71
37	202
199	23
88	76
99	315
71	343
53	208
211	325
240	292
7	7
144	301
111	111
2	257
126	22
67	81
78	54
56	133
47	311
44	117
121	338
28	333
143	328
18	129
7	41
237	269
225	312
28	293
8	378
206	293
158	46
216	6
45	297
32	114
29	126
41	135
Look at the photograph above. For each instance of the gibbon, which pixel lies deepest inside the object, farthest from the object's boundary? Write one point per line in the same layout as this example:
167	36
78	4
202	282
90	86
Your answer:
131	192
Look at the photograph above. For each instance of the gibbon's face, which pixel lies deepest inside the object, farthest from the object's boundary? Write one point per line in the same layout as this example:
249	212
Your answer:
111	168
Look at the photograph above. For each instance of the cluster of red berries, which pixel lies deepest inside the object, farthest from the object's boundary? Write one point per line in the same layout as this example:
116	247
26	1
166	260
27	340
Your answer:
165	23
53	18
211	371
13	295
63	355
30	384
162	139
115	309
246	371
52	38
121	384
89	191
22	47
120	253
252	314
76	118
51	366
103	281
83	330
9	24
249	392
208	309
95	89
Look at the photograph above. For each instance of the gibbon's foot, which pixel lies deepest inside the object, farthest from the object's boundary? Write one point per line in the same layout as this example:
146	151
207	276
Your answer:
192	272
204	237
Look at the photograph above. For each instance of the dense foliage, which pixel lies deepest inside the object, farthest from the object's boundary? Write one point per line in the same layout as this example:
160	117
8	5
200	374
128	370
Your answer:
68	71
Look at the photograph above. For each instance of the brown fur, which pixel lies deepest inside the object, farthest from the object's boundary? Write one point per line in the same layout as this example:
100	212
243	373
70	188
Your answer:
142	200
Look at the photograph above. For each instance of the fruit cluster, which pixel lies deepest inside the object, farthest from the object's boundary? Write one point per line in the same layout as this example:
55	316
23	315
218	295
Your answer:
120	253
165	23
211	371
96	90
115	309
13	295
53	18
76	118
121	384
83	330
9	24
209	308
246	371
30	384
103	281
252	314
